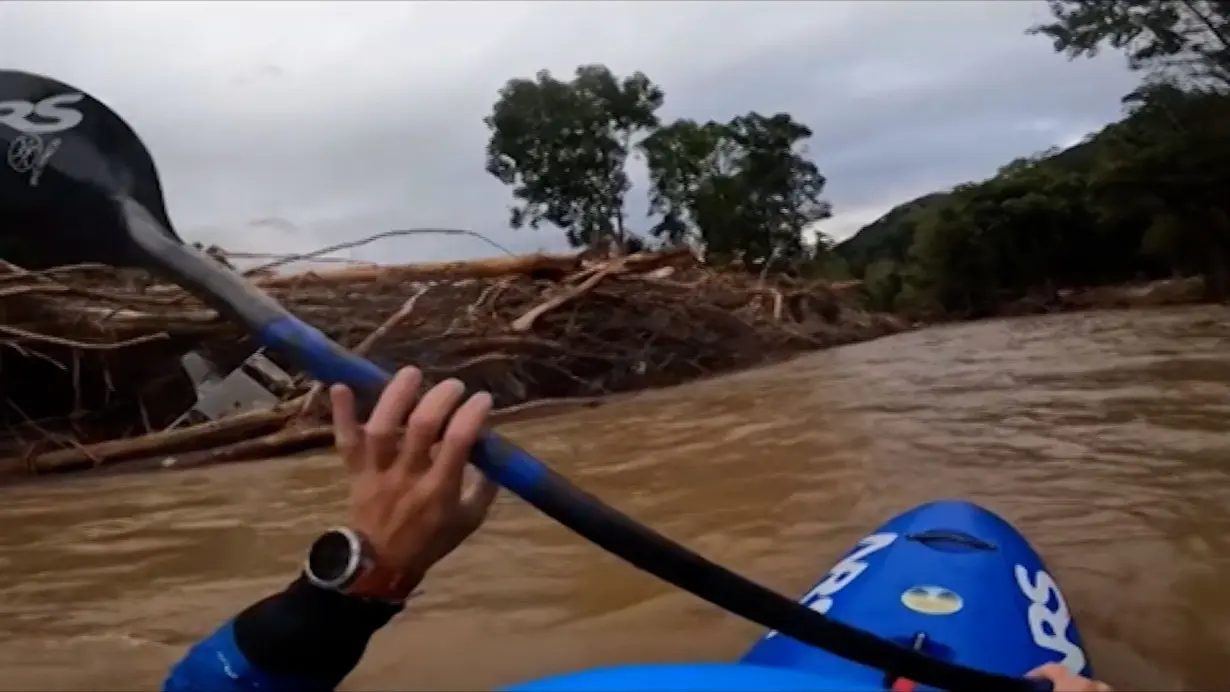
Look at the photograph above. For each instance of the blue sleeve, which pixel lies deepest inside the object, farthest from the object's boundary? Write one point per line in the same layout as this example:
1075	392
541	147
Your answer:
215	664
301	639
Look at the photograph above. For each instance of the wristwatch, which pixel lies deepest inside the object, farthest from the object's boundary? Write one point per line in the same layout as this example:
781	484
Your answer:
343	560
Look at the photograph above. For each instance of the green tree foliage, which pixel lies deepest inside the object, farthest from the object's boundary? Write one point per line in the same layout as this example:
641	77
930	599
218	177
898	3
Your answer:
743	188
889	236
1144	197
564	146
1188	40
738	188
690	166
1166	175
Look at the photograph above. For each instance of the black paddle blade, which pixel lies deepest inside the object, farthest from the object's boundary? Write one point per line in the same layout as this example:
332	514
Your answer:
68	159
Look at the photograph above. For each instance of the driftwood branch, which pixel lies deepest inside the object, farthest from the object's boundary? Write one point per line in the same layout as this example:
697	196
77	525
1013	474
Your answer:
526	321
208	434
290	259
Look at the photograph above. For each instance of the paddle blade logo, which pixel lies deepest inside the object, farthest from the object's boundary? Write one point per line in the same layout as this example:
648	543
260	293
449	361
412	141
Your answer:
28	152
52	114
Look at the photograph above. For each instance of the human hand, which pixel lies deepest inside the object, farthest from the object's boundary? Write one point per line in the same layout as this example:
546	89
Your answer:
1065	680
408	495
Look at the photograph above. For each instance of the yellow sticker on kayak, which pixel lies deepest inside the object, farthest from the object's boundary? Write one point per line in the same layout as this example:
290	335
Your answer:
931	600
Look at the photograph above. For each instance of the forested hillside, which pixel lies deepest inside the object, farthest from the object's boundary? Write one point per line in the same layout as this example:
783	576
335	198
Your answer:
1145	197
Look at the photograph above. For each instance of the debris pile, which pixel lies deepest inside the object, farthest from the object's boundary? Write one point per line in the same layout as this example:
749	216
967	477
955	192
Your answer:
91	370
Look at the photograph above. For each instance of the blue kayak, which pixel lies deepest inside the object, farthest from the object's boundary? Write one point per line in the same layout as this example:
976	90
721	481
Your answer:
950	579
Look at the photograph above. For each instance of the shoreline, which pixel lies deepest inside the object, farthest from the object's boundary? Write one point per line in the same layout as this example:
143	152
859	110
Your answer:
296	440
103	377
278	433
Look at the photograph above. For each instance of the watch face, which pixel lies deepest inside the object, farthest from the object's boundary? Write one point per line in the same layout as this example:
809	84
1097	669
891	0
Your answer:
331	558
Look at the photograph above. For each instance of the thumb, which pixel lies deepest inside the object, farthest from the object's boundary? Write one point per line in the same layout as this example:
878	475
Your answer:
477	499
1048	671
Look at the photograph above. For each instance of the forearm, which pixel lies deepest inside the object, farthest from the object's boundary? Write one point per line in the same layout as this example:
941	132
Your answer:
303	639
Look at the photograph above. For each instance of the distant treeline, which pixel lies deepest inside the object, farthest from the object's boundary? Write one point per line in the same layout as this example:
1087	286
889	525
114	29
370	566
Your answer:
1146	197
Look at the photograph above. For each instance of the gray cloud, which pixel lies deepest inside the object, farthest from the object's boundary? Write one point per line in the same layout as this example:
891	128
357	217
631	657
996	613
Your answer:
339	120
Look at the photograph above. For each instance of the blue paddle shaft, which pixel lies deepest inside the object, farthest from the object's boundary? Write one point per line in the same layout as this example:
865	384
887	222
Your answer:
326	361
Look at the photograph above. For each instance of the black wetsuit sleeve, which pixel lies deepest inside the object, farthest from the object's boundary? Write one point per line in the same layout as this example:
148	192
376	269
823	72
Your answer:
309	633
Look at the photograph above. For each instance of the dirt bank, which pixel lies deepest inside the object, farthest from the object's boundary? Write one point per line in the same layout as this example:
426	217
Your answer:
1183	291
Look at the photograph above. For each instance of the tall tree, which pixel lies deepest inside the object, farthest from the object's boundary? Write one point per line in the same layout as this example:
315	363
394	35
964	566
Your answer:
563	147
1183	40
783	185
686	159
741	187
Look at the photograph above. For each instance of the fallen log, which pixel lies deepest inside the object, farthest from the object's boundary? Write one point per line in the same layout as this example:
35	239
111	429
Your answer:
166	442
284	442
525	322
552	267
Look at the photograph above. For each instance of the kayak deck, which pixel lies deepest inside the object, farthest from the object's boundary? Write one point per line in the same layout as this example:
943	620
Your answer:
951	579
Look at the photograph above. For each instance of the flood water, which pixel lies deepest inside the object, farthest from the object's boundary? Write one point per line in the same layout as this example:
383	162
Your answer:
1104	437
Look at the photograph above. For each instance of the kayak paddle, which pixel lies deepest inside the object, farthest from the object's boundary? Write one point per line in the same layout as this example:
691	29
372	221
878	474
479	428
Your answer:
77	175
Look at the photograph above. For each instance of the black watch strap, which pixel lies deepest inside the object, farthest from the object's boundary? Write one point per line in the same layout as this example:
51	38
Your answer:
365	614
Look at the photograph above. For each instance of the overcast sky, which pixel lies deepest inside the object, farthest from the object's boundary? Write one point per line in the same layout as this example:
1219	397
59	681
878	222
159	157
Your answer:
285	127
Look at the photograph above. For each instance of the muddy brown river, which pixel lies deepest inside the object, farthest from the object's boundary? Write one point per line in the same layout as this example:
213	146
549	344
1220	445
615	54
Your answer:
1104	437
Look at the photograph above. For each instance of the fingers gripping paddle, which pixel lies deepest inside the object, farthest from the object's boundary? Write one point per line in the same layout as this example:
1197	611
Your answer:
74	170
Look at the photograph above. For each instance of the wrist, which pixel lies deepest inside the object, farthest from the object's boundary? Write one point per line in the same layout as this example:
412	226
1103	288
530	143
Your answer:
342	560
364	614
309	633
